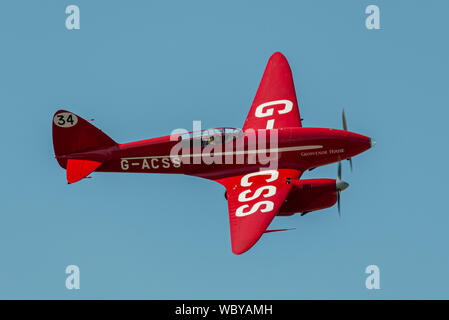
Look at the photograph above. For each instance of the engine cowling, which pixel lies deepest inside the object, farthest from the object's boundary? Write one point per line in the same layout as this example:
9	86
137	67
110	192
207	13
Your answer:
309	195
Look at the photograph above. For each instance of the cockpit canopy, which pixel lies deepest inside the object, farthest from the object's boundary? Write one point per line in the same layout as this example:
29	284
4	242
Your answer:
212	136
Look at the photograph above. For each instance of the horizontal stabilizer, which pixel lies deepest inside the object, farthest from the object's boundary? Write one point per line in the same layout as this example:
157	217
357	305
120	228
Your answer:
79	169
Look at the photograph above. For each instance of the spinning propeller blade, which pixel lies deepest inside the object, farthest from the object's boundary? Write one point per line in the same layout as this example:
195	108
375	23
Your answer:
340	185
345	127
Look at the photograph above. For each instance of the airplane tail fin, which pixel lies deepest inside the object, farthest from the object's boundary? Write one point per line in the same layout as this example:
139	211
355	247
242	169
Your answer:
72	134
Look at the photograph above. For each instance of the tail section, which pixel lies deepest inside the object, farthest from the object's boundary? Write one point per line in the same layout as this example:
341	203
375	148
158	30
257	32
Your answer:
72	134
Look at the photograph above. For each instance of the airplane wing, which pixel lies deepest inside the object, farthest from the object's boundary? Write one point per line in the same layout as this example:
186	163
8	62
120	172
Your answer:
275	104
253	201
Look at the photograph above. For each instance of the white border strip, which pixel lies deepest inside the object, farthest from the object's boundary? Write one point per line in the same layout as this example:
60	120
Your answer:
287	149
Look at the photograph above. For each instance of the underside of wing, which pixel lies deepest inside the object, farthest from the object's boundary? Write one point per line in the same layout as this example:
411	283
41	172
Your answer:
275	104
253	201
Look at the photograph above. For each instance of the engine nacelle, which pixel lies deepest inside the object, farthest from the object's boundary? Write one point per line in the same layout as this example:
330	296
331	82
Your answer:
309	195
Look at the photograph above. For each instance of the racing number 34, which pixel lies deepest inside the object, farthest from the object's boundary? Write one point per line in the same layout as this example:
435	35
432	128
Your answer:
65	119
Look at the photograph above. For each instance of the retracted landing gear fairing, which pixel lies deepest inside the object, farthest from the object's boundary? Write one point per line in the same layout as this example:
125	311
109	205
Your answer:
260	166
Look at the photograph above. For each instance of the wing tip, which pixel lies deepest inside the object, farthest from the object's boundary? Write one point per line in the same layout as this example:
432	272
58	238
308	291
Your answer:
278	56
238	251
239	248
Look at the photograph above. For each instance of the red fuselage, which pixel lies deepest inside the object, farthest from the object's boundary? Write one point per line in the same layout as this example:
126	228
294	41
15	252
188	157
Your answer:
299	148
292	148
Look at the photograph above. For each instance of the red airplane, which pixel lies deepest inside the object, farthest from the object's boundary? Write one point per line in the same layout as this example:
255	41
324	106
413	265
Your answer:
260	166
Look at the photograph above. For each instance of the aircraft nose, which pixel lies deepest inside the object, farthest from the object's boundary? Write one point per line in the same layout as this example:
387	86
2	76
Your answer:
372	142
341	185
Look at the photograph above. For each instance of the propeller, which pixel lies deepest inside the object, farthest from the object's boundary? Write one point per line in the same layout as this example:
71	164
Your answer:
340	185
345	127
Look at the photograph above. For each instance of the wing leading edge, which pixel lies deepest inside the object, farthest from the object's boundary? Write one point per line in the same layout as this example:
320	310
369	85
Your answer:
253	201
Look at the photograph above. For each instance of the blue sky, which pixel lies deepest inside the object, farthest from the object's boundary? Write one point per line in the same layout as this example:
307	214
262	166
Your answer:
144	68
